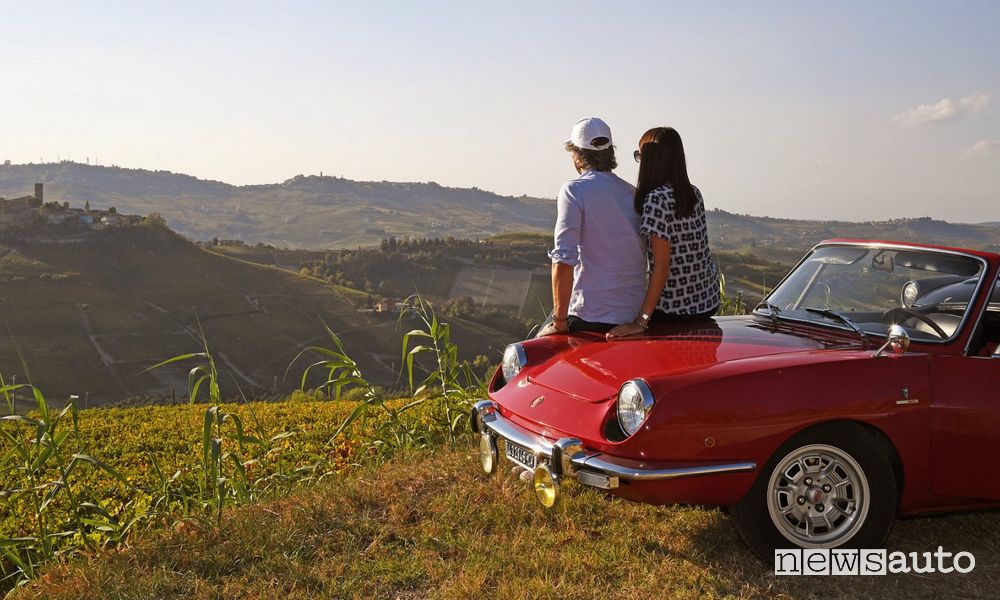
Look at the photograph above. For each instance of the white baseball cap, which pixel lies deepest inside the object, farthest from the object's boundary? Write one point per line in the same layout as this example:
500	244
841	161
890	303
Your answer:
587	130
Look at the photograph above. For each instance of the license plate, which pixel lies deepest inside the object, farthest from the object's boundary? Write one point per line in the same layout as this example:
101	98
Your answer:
521	455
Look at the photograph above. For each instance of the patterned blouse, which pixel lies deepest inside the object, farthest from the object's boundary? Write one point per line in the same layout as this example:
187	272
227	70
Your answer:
693	283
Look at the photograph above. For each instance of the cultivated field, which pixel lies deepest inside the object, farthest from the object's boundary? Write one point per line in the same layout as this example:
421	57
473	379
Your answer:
493	286
137	296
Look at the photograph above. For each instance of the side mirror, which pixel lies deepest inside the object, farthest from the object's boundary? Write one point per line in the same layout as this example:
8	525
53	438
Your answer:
897	339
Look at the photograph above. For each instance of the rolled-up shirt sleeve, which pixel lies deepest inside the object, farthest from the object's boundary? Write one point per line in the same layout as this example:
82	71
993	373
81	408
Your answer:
569	220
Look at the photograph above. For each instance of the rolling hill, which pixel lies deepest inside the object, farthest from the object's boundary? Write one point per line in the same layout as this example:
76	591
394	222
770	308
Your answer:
330	212
89	316
302	212
788	239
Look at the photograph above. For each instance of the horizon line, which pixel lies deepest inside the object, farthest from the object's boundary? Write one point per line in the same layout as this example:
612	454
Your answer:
321	175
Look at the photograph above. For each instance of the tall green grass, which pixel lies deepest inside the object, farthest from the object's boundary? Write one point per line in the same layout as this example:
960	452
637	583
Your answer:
452	383
447	387
42	452
37	455
229	451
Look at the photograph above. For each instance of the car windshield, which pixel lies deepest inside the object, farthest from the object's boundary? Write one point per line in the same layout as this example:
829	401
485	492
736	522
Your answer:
867	289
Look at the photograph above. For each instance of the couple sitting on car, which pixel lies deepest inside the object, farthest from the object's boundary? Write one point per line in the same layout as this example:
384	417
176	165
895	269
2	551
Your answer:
627	256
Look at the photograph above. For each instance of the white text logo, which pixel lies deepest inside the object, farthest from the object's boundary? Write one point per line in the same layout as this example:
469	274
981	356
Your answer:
796	561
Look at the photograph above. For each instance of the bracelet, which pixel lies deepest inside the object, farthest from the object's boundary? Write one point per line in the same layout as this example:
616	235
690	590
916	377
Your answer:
641	323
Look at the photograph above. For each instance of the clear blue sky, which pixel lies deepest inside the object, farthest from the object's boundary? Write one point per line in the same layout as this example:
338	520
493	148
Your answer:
850	110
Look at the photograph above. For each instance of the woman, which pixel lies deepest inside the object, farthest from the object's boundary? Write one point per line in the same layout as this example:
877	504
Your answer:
683	279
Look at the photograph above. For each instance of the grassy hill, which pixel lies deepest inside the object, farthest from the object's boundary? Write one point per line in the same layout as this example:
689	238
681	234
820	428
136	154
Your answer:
302	212
88	317
430	525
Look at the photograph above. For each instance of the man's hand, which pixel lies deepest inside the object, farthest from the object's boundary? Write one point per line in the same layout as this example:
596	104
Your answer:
553	328
626	330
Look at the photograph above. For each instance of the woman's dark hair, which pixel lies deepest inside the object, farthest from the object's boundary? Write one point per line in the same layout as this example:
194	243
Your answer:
661	163
595	160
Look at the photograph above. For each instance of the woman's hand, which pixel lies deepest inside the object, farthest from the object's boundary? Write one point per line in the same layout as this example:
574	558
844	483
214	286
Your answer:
626	330
553	328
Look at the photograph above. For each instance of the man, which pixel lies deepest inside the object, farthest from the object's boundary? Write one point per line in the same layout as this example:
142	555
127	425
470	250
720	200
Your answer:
599	261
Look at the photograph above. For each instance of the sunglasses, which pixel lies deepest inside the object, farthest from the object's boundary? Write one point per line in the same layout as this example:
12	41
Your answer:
637	155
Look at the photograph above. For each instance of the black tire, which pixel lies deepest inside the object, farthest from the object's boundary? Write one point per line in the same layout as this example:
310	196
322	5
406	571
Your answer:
875	493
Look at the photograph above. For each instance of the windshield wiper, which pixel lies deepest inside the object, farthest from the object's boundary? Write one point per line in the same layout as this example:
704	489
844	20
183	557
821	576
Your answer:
826	312
774	310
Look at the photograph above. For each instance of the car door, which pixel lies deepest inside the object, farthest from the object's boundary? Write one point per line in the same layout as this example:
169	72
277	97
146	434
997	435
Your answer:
965	424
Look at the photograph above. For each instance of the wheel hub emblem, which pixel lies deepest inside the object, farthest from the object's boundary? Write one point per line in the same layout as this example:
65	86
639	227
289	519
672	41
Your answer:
815	495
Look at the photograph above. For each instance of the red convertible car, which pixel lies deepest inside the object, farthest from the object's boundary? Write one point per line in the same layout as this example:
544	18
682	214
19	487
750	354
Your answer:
865	386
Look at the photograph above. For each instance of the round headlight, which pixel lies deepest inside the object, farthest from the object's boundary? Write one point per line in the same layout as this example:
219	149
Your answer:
514	359
910	292
635	400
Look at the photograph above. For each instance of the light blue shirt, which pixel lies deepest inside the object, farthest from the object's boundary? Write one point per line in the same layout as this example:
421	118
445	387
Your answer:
597	232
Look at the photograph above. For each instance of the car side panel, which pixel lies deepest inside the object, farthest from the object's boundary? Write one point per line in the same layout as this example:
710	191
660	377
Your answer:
965	431
737	413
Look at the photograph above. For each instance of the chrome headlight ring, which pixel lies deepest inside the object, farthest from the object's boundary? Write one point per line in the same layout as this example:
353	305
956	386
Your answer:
514	359
635	400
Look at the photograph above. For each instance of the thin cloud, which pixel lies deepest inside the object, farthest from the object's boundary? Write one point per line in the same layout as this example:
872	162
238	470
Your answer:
975	102
944	110
983	148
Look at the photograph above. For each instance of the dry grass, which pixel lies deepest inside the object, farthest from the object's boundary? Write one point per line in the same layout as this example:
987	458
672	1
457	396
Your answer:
431	525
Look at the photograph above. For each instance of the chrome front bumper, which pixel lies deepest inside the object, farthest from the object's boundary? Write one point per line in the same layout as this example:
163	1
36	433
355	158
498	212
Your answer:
566	457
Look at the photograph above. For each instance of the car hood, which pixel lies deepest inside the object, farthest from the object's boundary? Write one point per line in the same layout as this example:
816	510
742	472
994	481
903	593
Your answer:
592	369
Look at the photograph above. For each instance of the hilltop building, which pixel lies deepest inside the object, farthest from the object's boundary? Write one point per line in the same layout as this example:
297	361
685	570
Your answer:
26	211
18	210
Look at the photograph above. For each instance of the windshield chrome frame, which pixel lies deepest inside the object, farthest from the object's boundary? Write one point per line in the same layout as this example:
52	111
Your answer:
887	246
982	315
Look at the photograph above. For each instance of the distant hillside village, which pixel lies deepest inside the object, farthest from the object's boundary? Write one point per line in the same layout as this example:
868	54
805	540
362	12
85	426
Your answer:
22	213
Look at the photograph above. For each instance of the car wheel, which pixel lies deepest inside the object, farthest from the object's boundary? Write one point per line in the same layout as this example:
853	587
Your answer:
832	486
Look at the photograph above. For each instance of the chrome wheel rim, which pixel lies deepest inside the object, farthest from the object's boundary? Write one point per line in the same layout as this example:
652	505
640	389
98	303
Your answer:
818	496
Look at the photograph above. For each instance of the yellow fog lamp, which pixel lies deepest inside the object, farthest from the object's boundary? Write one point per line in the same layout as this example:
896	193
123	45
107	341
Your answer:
546	485
488	453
